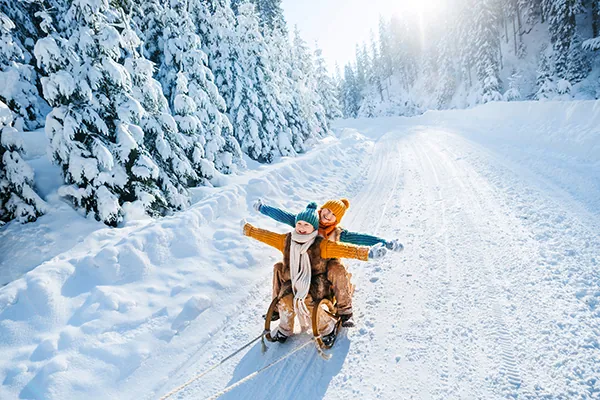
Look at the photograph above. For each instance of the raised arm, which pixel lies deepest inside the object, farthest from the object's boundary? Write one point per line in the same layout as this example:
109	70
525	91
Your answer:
277	214
273	239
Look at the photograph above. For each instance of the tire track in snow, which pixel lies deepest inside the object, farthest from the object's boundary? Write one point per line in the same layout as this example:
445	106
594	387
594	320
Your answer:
447	295
509	366
371	204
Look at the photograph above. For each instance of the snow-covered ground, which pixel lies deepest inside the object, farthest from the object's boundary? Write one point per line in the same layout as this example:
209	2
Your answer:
495	296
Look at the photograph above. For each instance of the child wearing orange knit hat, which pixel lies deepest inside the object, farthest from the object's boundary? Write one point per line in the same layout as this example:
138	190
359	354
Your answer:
330	216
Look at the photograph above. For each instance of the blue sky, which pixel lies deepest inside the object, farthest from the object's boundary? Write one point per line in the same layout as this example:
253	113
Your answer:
337	25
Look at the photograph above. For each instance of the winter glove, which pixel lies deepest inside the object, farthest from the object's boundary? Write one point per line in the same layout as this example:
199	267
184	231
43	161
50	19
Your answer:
394	245
377	251
258	204
242	225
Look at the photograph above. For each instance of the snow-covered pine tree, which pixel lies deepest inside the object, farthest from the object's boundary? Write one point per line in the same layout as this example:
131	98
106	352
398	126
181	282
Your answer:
376	68
352	96
222	44
246	111
531	10
17	81
94	128
217	30
234	4
162	139
488	44
594	43
271	14
27	26
289	89
578	66
546	87
446	82
195	101
339	86
385	54
562	27
18	200
466	43
326	88
361	68
406	51
149	18
303	75
212	5
595	10
513	93
290	138
371	97
428	74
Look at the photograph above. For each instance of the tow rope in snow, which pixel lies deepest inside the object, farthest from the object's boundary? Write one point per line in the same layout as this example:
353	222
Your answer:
171	393
247	378
254	374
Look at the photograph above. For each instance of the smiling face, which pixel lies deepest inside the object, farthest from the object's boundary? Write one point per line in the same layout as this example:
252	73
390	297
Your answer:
327	217
304	228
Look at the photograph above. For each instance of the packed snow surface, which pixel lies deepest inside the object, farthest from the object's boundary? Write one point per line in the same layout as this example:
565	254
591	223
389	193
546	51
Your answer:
495	296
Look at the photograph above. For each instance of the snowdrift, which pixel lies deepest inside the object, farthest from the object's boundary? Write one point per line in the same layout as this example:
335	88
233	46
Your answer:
95	312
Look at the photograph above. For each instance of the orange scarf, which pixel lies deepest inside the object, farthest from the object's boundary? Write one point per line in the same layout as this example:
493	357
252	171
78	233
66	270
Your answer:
326	230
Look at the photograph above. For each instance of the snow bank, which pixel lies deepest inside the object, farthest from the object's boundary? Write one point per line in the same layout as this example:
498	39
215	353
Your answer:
105	307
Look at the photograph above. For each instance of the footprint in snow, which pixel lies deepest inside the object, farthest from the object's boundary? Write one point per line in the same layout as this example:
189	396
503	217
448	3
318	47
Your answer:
195	306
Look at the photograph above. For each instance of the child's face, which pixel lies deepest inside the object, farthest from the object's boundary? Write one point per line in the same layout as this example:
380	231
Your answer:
304	228
327	216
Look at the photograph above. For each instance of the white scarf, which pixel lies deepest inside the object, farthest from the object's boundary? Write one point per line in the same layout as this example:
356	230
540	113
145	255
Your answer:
300	272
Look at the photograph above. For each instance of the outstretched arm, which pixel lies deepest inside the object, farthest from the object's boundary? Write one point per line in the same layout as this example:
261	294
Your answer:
331	249
277	214
273	239
362	239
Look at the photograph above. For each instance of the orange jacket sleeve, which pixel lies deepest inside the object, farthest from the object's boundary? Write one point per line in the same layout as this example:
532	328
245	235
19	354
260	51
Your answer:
273	239
331	249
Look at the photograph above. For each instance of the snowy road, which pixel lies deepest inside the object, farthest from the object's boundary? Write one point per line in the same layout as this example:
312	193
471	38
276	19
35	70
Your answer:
496	296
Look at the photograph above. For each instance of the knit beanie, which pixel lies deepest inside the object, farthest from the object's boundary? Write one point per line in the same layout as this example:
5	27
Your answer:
337	207
310	215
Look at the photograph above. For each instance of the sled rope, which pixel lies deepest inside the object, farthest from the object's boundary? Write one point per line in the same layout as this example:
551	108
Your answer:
254	374
171	393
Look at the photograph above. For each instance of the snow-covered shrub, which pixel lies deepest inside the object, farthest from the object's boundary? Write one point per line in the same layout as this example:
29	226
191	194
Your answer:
18	200
17	81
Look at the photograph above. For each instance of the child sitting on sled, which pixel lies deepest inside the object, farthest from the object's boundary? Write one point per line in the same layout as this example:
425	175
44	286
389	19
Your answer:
330	216
304	269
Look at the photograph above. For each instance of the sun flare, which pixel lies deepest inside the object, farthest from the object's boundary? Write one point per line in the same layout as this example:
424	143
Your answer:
423	9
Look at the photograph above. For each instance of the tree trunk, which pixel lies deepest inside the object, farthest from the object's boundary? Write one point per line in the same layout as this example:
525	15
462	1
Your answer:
519	22
515	35
595	18
380	89
505	29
